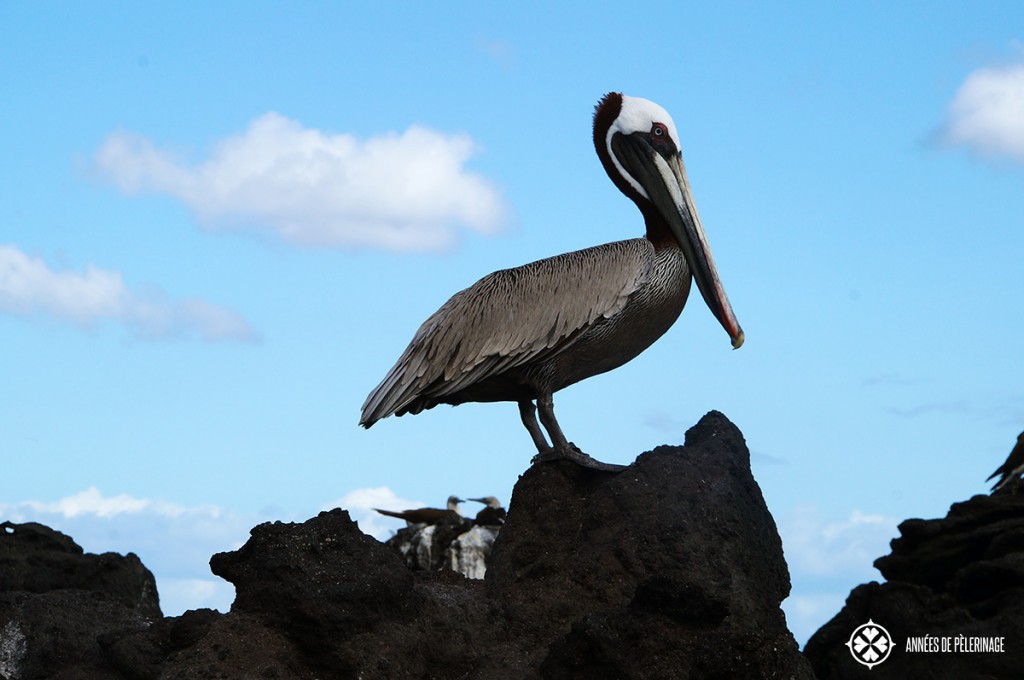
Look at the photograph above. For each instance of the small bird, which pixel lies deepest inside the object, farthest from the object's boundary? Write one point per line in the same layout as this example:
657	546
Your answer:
429	515
1012	469
492	515
522	334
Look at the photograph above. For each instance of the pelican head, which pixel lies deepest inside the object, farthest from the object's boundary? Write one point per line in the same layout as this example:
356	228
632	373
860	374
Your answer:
639	147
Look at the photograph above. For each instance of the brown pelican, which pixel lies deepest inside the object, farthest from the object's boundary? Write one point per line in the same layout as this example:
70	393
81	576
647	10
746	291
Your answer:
492	515
429	515
1012	469
522	334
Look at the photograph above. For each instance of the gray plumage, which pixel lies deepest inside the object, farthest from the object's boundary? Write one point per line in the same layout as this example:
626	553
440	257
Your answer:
541	326
522	334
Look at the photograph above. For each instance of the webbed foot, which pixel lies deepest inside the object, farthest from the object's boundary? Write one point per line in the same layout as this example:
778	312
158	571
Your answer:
574	454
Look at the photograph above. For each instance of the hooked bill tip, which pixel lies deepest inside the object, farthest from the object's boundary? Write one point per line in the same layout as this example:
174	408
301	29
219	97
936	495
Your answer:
737	340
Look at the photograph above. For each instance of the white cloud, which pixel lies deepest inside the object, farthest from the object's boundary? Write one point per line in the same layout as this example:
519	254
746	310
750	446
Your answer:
29	288
92	502
405	192
827	559
361	503
27	285
987	114
848	547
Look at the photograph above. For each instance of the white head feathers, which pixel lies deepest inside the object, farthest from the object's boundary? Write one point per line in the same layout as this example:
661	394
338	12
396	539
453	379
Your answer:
638	115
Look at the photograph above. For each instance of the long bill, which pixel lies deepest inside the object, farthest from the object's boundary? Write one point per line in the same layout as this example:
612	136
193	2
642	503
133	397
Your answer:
671	195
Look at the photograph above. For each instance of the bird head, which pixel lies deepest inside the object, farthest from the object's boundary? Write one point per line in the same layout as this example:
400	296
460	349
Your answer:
639	147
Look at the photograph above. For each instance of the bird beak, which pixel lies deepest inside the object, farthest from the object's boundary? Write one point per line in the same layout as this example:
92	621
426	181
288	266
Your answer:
664	179
684	220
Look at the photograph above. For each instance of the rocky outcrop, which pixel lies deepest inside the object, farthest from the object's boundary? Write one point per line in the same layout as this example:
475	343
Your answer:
955	583
57	603
670	569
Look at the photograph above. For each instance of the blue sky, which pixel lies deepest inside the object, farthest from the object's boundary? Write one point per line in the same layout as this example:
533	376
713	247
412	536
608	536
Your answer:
220	226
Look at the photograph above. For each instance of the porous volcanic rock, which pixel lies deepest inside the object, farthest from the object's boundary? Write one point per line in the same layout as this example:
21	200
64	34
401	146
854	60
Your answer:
962	575
670	569
56	602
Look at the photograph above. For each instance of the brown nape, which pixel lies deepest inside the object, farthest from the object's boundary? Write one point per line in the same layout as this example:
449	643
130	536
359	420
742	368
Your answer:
605	113
657	232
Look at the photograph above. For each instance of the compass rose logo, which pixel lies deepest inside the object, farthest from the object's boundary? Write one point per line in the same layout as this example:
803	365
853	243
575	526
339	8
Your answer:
870	644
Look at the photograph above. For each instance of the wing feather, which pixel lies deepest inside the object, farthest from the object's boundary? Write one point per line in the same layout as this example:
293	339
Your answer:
509	318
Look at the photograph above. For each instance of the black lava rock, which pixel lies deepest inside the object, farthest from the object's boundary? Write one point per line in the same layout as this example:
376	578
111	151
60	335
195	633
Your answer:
962	575
672	568
57	602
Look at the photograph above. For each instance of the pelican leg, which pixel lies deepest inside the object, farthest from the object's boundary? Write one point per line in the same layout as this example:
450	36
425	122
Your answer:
547	416
528	412
562	449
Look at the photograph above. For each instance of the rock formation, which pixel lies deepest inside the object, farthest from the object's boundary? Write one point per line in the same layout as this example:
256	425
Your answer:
56	603
670	569
962	575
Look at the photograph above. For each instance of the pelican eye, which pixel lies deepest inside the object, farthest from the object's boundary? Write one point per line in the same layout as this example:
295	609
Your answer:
660	139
